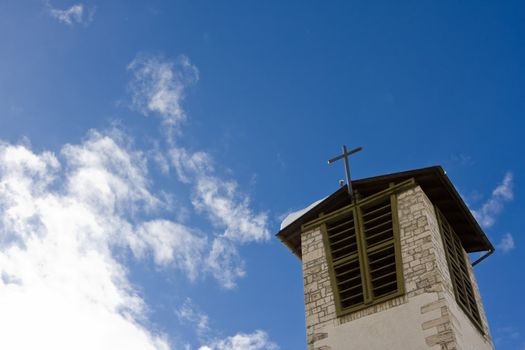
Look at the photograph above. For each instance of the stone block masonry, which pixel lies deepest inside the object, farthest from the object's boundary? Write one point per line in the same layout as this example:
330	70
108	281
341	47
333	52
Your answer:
425	317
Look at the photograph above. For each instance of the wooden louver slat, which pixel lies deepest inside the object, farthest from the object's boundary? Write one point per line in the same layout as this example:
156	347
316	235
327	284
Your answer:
458	270
378	232
343	246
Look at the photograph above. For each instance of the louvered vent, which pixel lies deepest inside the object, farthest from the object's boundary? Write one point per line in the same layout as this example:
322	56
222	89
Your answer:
363	253
380	248
458	270
342	239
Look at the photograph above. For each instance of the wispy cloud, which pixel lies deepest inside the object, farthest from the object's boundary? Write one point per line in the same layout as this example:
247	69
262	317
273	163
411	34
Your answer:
219	198
258	340
158	87
64	219
68	221
76	14
225	263
227	209
462	159
190	313
171	244
486	215
506	244
507	336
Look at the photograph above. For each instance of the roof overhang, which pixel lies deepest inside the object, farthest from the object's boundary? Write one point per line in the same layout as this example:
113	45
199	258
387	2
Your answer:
436	185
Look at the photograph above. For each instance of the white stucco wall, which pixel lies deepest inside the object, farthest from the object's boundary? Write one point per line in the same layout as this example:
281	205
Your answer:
468	337
396	328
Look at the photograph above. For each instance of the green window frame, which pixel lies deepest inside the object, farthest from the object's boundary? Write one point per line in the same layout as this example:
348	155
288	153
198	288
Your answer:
363	251
459	274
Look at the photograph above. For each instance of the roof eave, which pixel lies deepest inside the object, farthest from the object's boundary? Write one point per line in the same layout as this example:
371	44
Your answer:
290	235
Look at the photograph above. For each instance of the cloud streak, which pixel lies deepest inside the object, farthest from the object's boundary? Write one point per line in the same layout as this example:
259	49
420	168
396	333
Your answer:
219	199
189	313
506	244
487	214
158	87
76	14
258	340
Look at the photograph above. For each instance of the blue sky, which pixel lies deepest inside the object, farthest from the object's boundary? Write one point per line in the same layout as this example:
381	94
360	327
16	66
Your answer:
150	150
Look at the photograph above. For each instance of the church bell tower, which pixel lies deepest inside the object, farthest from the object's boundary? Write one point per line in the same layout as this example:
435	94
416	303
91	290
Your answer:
388	266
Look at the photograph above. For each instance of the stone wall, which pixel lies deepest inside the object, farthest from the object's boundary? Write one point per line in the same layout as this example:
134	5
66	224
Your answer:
426	316
318	294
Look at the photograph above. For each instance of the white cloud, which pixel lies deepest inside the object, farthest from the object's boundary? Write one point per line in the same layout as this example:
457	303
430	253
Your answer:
187	164
63	220
258	340
224	262
488	212
170	243
218	198
59	222
66	218
190	313
158	86
107	176
506	244
159	158
227	209
75	14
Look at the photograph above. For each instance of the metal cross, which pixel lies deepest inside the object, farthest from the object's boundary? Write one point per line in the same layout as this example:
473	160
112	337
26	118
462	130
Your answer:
347	168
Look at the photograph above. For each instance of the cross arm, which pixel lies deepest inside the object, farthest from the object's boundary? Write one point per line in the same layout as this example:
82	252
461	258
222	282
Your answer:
345	155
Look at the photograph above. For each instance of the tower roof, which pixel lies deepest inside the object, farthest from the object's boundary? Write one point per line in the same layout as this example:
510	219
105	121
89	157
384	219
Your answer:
434	182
